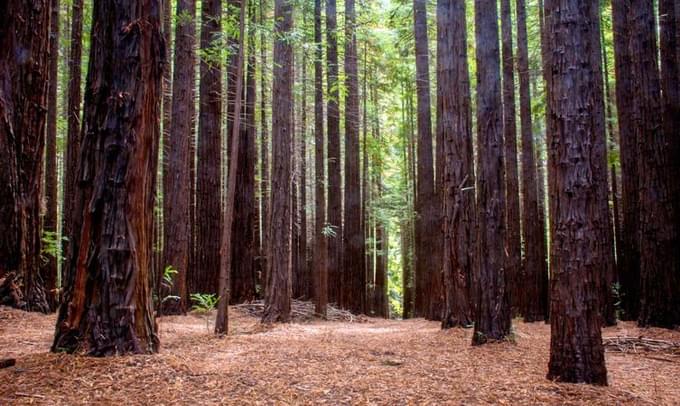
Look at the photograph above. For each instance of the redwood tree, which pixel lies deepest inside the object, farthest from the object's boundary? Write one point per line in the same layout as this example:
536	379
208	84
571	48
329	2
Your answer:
107	302
427	238
354	285
320	271
534	283
576	352
203	277
176	178
492	321
334	264
24	69
278	289
454	126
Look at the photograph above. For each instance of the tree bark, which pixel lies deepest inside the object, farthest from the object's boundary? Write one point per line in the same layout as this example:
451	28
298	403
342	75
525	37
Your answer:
513	242
320	272
49	265
354	285
534	280
454	128
629	252
426	202
108	308
659	261
176	179
278	288
24	69
576	352
204	277
335	273
492	321
264	151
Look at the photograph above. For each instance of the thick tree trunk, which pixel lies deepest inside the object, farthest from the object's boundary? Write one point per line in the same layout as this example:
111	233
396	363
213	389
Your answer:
278	288
176	178
427	269
335	273
454	128
354	285
264	152
49	265
493	314
629	252
108	308
73	130
303	263
576	352
513	243
204	277
24	26
659	260
533	302
320	271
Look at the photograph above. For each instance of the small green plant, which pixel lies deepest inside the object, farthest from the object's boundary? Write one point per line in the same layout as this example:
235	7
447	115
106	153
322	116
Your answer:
51	246
204	303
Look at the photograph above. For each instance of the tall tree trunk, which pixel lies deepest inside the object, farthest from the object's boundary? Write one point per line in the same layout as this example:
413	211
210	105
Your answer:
228	244
108	308
243	246
354	285
73	130
176	178
278	287
576	352
264	149
426	202
204	277
49	267
493	314
302	247
629	252
659	262
532	299
320	272
513	242
335	278
23	113
454	126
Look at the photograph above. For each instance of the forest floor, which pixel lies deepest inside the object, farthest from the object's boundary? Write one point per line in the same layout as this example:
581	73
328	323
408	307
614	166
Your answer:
371	361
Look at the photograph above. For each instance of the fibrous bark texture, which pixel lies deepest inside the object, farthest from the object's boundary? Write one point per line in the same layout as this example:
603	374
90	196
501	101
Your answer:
278	287
24	74
454	127
203	277
107	303
576	352
176	176
492	321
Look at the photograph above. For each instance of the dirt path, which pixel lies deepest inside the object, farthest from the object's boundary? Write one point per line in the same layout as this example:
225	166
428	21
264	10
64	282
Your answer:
375	362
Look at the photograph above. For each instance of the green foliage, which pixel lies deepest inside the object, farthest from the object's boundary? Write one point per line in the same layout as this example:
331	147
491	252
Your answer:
51	246
204	303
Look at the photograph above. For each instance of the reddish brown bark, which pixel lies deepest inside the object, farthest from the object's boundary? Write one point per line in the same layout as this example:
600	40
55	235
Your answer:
426	202
534	280
203	278
492	321
107	308
629	251
24	69
176	176
278	287
73	131
659	261
49	265
334	219
320	271
576	352
454	127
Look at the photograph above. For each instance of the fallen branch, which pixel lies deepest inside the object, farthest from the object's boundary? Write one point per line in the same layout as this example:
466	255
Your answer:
641	345
303	311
